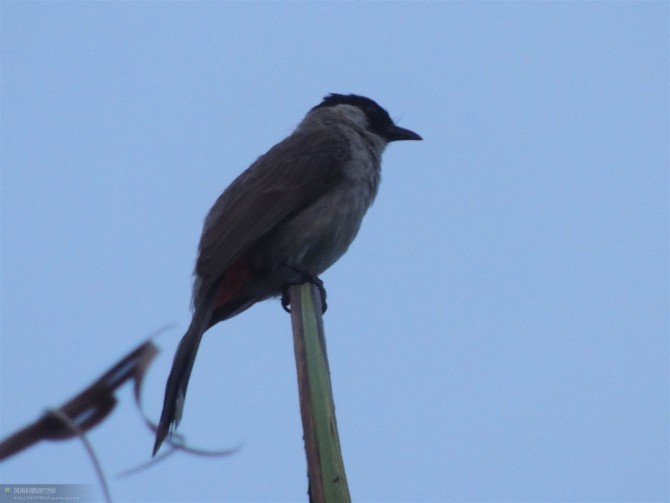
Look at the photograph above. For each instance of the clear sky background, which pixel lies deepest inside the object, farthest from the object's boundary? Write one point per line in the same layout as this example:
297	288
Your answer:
497	332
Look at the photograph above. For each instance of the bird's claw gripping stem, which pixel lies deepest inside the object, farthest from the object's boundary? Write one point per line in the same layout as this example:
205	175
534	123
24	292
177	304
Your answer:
305	277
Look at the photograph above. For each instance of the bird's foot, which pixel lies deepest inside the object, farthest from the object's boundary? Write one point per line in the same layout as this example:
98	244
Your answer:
304	277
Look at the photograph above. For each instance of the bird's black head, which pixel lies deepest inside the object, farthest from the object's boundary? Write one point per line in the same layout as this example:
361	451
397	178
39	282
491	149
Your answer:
379	120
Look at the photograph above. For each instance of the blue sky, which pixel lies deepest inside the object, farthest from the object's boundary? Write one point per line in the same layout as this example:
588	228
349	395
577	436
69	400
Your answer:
497	332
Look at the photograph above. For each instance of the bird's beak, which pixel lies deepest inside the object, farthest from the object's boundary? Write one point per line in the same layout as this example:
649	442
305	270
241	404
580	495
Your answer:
396	133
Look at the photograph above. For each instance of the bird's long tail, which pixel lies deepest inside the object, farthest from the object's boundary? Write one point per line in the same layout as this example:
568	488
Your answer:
182	365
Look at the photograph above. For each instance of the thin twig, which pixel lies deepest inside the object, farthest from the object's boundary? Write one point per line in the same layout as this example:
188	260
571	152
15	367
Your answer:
89	448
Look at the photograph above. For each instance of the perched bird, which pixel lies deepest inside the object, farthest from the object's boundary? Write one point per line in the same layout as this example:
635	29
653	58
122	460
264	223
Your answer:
283	221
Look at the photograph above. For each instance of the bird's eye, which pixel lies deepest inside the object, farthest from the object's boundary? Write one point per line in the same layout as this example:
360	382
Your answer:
372	113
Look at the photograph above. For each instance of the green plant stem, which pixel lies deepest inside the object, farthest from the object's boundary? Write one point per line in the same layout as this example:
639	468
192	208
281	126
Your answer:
325	468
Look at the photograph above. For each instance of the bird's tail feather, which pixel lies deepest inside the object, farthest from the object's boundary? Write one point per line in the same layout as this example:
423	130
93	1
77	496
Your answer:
182	365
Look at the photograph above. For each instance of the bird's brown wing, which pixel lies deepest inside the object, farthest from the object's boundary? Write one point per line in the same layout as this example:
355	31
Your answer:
288	178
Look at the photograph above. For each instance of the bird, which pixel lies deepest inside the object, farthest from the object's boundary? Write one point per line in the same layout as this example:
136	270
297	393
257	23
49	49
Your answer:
283	221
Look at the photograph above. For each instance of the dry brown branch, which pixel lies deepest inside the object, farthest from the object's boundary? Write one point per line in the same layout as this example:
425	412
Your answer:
88	408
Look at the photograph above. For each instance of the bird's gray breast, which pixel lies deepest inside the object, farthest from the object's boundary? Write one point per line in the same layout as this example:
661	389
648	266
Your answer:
317	236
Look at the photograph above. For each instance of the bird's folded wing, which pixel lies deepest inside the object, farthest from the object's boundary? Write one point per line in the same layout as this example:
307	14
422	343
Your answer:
277	186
